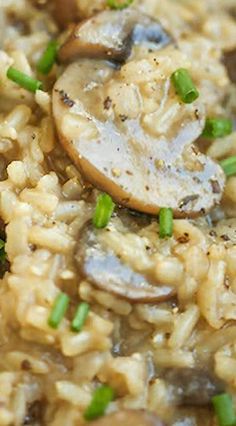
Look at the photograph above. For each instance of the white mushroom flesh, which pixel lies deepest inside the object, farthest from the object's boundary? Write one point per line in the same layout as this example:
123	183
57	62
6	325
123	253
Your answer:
130	135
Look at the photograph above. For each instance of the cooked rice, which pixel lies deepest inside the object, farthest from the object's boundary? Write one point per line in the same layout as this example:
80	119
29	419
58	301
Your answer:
44	205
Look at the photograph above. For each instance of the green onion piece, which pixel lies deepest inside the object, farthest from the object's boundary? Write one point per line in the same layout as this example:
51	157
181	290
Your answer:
224	410
229	165
184	86
100	400
23	80
103	211
118	5
165	222
217	128
3	254
48	58
58	310
80	316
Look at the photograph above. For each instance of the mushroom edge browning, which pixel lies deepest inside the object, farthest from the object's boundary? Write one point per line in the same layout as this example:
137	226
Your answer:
138	170
110	35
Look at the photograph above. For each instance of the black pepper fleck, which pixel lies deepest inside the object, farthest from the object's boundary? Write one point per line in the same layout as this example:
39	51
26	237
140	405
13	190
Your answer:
107	103
225	237
65	99
188	199
123	117
26	365
183	239
215	186
213	233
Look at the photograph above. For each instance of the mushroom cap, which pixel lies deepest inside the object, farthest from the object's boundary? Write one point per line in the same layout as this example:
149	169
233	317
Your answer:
137	169
110	35
103	268
129	418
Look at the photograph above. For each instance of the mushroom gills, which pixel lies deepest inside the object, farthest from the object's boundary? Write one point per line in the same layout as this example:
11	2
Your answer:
110	35
129	418
106	271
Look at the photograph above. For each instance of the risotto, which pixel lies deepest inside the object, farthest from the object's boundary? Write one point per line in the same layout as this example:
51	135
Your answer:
117	212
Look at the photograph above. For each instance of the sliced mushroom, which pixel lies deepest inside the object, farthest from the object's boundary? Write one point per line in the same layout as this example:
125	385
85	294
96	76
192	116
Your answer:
110	35
138	170
192	386
105	270
129	418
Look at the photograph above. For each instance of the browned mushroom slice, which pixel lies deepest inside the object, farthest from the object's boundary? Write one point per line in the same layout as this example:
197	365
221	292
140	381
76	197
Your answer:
129	418
110	35
106	271
138	170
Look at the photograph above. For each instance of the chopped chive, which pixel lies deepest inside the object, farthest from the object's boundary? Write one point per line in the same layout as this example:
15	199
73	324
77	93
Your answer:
224	409
217	128
184	86
48	58
2	251
165	222
229	165
23	80
58	310
118	5
101	398
103	211
80	316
